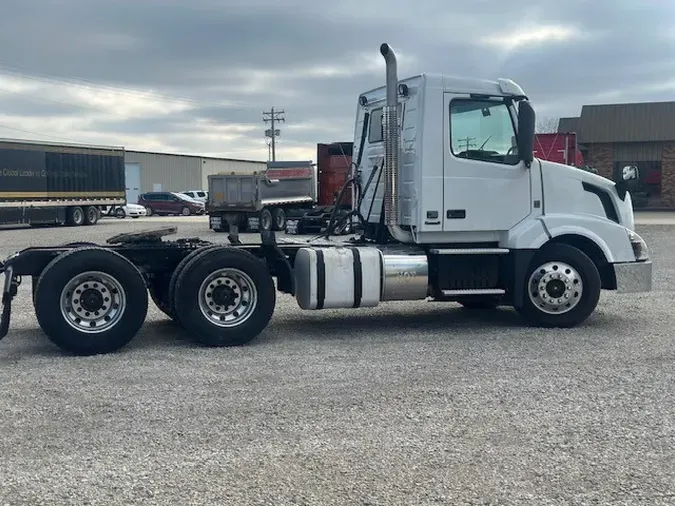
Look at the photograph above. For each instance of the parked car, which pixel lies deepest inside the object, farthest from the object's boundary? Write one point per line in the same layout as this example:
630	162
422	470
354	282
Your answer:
163	203
198	195
133	210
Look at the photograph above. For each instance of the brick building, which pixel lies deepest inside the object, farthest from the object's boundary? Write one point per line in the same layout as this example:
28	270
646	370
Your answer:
643	134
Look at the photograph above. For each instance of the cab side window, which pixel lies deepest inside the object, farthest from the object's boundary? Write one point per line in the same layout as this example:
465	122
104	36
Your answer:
483	130
376	128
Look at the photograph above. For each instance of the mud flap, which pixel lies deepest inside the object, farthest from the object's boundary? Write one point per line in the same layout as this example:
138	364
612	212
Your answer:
9	291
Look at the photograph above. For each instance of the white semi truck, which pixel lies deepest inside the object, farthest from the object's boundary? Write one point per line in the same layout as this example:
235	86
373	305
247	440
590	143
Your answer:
453	205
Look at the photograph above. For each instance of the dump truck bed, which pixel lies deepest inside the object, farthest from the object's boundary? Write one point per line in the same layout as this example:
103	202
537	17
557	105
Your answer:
283	183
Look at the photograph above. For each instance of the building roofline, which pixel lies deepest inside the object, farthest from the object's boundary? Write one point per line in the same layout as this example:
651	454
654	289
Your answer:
186	155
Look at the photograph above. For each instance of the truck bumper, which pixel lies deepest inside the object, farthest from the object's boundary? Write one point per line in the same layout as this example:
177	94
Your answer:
633	277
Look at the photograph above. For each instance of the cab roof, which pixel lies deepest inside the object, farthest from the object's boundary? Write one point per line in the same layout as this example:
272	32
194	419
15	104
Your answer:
500	87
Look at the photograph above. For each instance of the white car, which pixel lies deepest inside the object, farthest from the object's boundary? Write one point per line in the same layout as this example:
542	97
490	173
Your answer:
133	210
198	195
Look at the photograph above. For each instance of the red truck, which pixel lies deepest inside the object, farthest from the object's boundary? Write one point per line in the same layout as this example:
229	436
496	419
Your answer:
559	148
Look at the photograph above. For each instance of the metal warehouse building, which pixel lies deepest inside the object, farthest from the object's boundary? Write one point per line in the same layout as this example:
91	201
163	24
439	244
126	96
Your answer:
147	171
611	136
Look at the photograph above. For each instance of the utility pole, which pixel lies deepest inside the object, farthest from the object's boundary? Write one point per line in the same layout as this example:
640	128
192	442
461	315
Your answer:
273	117
468	142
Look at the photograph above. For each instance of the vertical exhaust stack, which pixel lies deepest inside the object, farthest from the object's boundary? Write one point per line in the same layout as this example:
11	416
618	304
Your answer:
391	149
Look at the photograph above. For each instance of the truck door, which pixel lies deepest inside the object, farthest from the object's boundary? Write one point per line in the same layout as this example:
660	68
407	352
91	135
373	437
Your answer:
485	186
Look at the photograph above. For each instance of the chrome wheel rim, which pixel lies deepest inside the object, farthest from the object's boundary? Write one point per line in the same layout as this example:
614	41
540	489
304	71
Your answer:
93	302
555	287
186	211
78	216
228	297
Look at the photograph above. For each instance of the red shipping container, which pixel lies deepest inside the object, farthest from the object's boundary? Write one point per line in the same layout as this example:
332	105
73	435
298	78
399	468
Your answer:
333	169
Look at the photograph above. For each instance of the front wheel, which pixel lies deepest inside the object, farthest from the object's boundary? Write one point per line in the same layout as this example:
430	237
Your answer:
224	297
185	211
562	287
90	301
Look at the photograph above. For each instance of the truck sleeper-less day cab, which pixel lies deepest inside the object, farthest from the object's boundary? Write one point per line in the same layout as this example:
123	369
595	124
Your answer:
453	206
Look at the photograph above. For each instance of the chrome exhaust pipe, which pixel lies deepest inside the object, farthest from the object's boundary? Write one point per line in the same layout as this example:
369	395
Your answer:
391	149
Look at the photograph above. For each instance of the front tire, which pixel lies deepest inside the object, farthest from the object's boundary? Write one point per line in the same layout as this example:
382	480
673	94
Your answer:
225	297
91	301
185	211
562	287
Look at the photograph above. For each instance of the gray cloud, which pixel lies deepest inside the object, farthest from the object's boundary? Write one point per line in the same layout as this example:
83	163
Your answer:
232	59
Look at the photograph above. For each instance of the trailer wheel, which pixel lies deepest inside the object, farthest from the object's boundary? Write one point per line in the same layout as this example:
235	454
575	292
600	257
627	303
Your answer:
120	213
90	215
225	297
75	216
91	301
278	220
562	286
265	220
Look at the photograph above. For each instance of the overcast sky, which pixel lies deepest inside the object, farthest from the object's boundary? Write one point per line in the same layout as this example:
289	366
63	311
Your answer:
194	76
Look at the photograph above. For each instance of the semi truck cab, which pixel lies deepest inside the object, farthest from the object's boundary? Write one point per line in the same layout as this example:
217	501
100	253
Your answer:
460	178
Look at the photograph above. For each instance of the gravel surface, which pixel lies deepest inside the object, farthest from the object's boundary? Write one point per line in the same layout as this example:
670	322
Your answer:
409	403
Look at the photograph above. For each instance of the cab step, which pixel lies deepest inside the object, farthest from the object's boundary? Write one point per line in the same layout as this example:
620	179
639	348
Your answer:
469	251
473	291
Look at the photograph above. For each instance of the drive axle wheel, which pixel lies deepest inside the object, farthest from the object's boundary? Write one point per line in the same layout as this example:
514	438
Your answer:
90	301
225	297
562	287
168	304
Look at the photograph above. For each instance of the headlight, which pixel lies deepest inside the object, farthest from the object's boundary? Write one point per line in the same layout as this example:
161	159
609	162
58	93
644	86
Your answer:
639	246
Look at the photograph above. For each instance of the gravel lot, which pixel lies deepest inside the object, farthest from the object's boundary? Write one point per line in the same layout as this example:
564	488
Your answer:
410	403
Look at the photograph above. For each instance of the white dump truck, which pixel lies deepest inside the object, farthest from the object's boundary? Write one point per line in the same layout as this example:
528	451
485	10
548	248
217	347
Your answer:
453	207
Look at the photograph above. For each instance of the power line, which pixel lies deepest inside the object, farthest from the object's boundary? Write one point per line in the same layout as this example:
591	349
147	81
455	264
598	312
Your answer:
272	117
7	127
88	85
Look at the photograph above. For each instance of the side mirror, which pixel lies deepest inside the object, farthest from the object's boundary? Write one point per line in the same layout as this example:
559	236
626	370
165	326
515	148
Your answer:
630	176
526	122
630	173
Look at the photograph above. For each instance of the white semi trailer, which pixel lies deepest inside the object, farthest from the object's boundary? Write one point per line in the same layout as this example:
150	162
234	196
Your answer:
453	205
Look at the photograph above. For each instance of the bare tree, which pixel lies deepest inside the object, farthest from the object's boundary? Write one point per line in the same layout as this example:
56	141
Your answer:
546	125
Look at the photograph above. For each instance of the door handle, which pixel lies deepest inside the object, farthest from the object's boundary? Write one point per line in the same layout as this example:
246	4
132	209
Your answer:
455	214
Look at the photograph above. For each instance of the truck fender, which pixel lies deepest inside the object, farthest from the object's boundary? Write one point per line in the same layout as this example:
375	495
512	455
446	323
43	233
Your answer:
610	237
529	234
